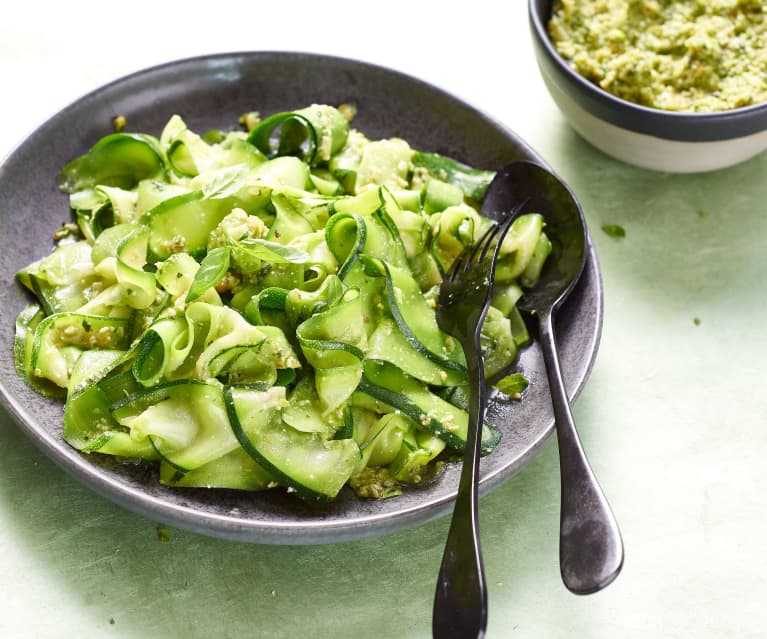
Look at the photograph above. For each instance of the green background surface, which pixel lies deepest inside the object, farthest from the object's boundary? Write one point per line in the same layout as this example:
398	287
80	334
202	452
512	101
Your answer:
672	418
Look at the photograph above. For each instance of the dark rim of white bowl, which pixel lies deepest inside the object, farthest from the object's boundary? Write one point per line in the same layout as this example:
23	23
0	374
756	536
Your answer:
671	125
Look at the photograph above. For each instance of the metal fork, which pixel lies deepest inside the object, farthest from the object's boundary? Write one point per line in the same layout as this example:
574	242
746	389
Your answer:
460	602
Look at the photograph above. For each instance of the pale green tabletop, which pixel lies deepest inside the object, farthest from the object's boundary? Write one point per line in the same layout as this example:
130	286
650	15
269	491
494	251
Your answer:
673	418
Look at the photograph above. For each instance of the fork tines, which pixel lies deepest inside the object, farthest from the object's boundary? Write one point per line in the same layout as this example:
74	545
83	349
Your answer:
495	232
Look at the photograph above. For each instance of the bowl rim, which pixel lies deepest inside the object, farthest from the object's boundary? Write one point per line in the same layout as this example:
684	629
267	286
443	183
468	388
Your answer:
686	126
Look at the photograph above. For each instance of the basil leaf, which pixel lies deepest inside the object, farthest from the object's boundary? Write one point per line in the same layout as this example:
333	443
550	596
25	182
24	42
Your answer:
473	182
272	251
513	385
614	230
212	270
223	183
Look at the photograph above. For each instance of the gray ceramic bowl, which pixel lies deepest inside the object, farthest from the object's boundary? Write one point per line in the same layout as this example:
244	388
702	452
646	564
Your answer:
212	92
650	138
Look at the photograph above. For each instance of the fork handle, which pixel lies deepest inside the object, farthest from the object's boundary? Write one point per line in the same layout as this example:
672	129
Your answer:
460	602
590	545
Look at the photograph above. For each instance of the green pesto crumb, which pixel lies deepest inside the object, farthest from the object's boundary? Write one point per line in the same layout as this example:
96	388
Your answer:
375	483
696	321
66	230
614	230
163	534
703	214
250	120
348	111
118	123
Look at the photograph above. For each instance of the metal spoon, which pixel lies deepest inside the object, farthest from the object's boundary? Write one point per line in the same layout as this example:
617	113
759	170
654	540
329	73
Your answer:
590	545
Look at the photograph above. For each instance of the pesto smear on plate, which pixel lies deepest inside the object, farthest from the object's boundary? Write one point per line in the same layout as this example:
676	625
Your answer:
677	55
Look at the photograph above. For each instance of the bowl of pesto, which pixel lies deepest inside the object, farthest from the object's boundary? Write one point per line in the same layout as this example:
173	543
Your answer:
671	85
209	341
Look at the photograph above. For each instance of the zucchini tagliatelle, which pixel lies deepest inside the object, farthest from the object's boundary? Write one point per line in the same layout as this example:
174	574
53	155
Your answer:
255	308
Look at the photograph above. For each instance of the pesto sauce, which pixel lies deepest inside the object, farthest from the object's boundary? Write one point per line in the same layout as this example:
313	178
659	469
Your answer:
677	55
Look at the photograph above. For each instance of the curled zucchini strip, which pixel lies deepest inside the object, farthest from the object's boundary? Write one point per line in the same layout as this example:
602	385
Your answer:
235	470
185	422
334	343
23	347
389	389
415	318
453	230
519	246
138	285
313	467
187	154
297	137
61	281
59	339
119	159
88	422
211	342
162	350
313	134
389	344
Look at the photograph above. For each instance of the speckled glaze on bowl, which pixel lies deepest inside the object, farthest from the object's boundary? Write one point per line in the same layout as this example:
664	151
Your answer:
670	141
212	92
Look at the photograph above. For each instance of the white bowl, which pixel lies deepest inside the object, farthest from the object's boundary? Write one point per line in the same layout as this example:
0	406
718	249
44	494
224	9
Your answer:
673	141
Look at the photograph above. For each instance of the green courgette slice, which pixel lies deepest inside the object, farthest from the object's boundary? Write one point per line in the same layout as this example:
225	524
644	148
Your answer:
389	386
315	468
119	159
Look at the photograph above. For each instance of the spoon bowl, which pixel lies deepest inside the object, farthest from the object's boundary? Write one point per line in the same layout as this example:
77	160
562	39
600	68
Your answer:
536	189
590	545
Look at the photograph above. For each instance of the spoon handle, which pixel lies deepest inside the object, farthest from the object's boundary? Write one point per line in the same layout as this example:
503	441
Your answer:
460	601
590	545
